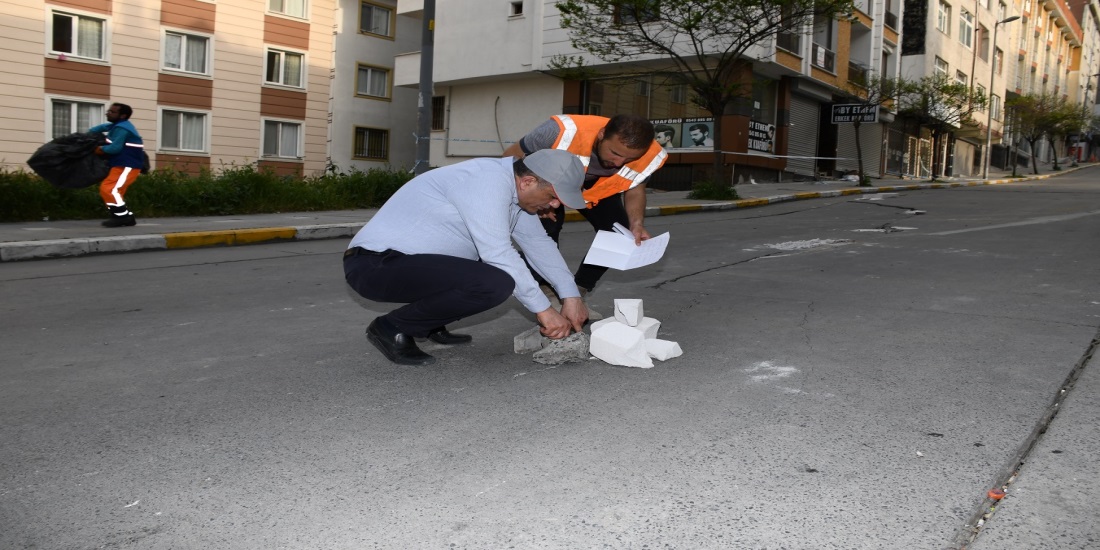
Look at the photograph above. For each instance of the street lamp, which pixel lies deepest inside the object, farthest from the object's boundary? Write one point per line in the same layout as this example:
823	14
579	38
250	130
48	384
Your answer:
989	109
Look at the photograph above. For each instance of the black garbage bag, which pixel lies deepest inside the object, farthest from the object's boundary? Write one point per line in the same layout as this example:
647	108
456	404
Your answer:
70	161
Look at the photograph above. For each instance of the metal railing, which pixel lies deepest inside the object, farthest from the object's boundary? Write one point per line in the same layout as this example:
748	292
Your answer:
857	74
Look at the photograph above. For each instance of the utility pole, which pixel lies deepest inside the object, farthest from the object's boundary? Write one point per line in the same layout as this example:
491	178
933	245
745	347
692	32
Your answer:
424	101
986	156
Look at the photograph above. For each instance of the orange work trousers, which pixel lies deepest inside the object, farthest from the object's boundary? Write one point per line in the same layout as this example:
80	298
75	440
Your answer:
114	187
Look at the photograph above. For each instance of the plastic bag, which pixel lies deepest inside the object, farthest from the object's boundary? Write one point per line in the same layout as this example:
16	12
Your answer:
70	161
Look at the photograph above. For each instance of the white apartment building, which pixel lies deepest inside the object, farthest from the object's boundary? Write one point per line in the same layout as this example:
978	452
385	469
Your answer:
493	82
372	121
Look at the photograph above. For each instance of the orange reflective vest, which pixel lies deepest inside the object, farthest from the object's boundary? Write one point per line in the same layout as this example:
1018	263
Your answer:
578	136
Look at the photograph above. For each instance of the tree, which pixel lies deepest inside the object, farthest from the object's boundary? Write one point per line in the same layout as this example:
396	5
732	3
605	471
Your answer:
942	105
702	44
875	91
1069	119
1035	118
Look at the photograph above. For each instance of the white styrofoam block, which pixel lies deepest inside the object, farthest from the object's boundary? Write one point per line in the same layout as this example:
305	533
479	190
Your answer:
618	344
649	326
662	350
628	311
602	322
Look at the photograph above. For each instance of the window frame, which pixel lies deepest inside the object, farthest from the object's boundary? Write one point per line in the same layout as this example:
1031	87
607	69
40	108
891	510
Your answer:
368	129
995	107
966	28
962	78
439	113
937	60
391	29
207	70
305	10
268	50
162	132
678	94
359	66
76	14
300	146
943	18
628	15
51	98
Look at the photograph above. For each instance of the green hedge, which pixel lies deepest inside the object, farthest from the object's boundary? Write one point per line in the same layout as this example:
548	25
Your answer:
235	190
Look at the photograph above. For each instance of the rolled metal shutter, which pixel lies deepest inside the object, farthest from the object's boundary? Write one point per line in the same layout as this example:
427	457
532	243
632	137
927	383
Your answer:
802	135
871	140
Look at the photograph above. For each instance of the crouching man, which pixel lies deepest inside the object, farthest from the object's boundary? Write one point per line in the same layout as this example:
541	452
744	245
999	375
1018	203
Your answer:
442	245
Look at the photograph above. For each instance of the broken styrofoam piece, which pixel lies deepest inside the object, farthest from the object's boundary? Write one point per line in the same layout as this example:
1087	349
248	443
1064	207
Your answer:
628	311
649	327
662	350
529	340
618	344
571	349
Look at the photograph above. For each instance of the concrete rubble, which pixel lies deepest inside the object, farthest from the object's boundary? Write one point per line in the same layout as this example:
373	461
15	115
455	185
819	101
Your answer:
571	349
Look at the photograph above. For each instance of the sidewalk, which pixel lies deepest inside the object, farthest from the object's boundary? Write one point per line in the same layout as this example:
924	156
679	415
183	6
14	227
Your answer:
59	239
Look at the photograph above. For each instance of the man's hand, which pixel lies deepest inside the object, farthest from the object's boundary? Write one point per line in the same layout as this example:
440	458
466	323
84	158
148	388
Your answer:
574	311
554	326
639	231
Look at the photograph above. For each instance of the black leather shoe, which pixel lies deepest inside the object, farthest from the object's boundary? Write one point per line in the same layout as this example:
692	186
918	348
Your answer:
120	221
397	347
442	336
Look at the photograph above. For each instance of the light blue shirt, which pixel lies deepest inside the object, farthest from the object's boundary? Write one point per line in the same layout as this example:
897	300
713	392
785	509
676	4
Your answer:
471	210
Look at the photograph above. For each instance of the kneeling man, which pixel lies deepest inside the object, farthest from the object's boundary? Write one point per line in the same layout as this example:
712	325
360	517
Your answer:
442	245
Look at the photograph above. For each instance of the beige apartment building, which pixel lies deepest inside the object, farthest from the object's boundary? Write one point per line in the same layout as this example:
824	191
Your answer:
212	83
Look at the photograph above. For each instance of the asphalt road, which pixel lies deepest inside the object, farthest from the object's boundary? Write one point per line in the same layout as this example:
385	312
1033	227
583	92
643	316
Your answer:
855	375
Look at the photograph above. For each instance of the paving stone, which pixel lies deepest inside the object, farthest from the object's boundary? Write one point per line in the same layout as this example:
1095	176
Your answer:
529	340
571	349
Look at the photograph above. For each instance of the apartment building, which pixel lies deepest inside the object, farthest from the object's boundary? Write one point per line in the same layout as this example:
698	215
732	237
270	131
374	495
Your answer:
212	83
493	83
373	122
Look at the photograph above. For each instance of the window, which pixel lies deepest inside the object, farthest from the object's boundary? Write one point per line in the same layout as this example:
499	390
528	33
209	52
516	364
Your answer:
282	139
183	131
678	94
371	143
293	8
940	67
640	12
643	88
78	35
998	59
995	106
1002	9
983	42
961	78
439	103
966	28
186	52
284	68
375	19
943	18
69	117
517	8
373	82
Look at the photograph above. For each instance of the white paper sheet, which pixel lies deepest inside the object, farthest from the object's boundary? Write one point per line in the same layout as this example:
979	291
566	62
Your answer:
616	249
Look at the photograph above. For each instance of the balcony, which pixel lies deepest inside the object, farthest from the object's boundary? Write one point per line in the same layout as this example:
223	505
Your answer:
857	74
891	20
792	42
823	58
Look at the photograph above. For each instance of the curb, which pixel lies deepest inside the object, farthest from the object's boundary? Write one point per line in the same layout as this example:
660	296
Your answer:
63	248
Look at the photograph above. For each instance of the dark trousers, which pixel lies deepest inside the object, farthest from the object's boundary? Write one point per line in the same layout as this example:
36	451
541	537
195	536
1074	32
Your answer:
602	216
436	289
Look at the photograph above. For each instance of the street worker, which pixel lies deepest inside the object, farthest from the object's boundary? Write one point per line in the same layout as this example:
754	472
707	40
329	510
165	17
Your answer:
442	245
619	154
126	157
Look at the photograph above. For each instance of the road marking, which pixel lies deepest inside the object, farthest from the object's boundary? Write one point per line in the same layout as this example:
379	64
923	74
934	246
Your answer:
1032	221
